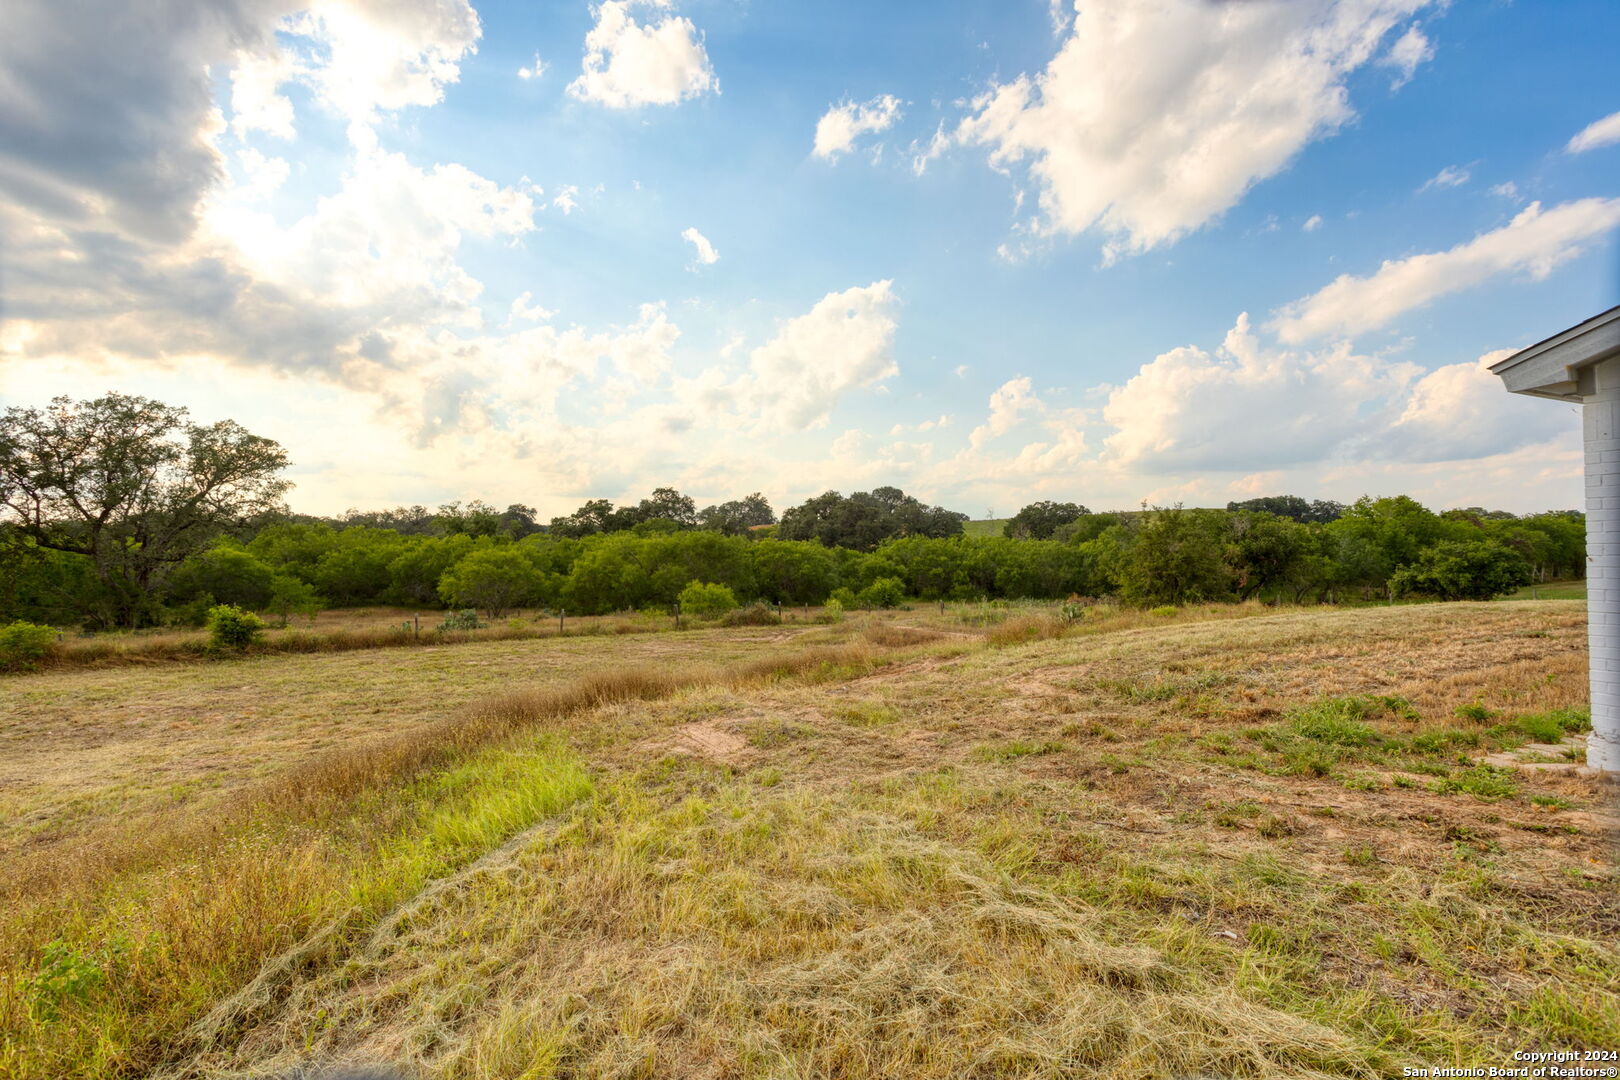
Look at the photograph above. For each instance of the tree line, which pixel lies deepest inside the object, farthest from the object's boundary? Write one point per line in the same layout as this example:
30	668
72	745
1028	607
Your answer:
120	512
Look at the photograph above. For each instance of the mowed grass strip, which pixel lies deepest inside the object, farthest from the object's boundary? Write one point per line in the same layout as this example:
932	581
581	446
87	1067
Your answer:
110	947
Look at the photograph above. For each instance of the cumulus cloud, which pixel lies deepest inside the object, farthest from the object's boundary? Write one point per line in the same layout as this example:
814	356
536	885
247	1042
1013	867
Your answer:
628	63
1598	133
1154	118
842	124
386	241
1312	223
1011	402
1252	407
845	342
706	255
1244	407
1533	243
1460	411
532	70
525	308
363	57
1410	50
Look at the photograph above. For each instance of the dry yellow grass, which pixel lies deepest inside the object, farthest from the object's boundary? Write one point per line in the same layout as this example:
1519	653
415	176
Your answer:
1106	853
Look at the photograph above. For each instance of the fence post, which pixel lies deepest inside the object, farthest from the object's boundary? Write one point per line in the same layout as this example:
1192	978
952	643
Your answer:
562	614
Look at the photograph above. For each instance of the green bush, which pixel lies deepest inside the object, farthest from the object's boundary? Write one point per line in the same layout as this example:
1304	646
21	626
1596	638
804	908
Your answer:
1463	570
885	592
832	611
706	601
465	619
24	644
229	627
845	598
758	613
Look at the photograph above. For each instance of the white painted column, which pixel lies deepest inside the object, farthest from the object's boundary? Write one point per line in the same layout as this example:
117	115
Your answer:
1600	418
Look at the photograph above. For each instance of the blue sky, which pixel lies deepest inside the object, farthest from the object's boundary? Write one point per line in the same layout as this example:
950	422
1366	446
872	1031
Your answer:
990	252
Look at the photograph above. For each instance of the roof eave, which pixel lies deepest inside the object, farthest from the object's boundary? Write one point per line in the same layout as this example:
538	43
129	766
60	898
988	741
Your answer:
1550	368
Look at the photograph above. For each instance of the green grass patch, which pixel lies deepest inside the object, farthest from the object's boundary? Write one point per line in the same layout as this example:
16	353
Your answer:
1015	749
1486	782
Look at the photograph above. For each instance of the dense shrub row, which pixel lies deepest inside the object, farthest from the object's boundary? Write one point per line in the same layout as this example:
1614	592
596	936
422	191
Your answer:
1376	548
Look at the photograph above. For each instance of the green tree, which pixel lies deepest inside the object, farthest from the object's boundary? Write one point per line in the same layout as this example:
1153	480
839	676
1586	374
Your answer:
227	573
414	573
1175	556
793	572
1463	570
1039	520
1304	511
132	485
1263	550
289	596
737	517
866	519
497	579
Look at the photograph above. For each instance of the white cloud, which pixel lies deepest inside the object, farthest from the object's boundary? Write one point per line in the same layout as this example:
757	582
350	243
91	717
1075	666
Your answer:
261	175
1312	223
1449	177
628	63
1598	133
566	199
845	342
1410	50
1244	407
532	70
256	103
1460	411
1010	404
1507	189
524	308
1534	242
842	124
1252	408
1152	119
365	56
706	255
386	241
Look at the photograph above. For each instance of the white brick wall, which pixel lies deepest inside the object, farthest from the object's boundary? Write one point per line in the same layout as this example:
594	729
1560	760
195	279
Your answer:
1600	417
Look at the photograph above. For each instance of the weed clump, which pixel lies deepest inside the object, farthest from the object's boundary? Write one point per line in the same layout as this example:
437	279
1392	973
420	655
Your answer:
757	614
1337	721
465	619
1484	782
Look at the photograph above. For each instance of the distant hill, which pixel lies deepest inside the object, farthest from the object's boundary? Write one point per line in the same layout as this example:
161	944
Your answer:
989	527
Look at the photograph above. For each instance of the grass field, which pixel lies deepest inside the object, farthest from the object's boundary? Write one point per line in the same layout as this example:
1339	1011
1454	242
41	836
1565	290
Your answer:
987	527
1225	842
1553	590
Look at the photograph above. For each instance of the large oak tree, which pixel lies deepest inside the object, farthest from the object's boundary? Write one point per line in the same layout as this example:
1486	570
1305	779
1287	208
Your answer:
133	485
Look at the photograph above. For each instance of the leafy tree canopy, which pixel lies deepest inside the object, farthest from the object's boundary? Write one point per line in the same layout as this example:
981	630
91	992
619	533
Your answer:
1039	520
867	518
133	485
1306	511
